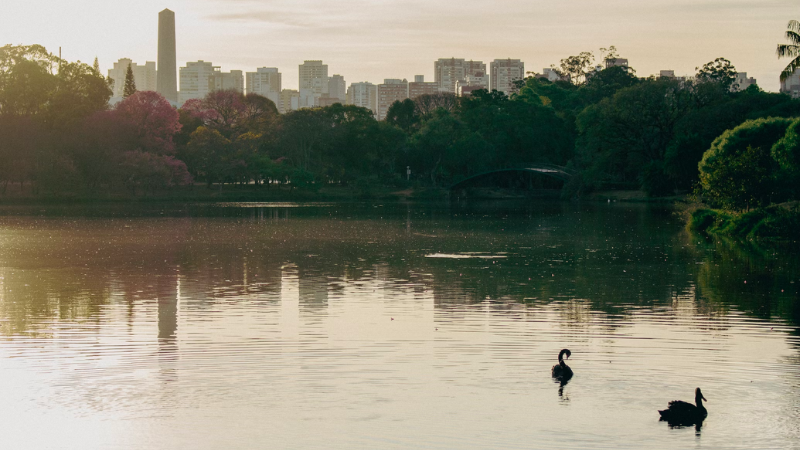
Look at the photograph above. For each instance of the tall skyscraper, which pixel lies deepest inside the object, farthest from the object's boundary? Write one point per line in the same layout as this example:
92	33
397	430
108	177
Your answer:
265	81
167	84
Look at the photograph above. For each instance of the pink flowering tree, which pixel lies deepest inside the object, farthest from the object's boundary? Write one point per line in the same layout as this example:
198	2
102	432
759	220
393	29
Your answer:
152	121
151	172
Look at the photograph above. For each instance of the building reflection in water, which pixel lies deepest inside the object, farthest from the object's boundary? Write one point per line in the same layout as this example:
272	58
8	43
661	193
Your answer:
169	295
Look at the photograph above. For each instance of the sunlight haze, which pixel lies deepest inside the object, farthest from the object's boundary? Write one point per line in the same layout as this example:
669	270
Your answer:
369	40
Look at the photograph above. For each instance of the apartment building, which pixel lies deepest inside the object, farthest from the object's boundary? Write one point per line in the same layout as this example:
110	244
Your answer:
743	82
337	88
288	100
313	82
421	87
226	80
447	72
389	92
265	81
791	85
144	76
196	80
363	94
504	74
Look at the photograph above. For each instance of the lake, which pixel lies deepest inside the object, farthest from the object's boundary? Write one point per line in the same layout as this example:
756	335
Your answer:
389	326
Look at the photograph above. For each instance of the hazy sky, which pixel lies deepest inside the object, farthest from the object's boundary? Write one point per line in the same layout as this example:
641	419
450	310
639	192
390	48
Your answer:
369	40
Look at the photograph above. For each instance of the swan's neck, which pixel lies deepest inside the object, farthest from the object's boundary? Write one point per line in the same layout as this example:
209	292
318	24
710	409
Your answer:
699	401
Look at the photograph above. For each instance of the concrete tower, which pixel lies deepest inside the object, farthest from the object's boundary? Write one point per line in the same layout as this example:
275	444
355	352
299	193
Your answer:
167	84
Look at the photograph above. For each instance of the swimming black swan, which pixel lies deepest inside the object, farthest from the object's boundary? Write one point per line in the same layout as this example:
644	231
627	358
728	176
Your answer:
682	413
561	370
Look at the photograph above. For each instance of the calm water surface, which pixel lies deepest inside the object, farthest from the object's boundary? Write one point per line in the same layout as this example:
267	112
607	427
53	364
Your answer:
372	326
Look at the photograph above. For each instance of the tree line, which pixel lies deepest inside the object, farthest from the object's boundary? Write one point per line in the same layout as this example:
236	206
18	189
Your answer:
609	127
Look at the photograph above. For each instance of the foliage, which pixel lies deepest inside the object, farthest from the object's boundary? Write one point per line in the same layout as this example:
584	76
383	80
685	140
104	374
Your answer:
774	222
720	71
576	68
701	125
130	84
403	114
151	122
790	50
624	138
738	171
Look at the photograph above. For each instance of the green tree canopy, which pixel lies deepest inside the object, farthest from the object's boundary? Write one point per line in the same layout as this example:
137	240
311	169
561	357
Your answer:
738	171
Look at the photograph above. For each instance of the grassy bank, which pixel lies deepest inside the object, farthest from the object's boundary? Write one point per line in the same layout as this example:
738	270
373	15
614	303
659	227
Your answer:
775	222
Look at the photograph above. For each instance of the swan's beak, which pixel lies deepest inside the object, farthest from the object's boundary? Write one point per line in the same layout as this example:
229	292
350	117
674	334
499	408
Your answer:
704	399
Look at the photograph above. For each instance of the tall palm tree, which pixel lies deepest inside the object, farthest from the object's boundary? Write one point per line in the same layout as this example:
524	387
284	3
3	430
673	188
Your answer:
791	50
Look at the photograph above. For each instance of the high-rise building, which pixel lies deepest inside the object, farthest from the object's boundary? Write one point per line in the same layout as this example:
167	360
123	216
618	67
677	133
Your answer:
310	70
504	74
742	82
167	81
226	80
196	80
390	91
363	94
265	81
791	85
144	76
472	83
288	100
670	75
616	62
313	82
550	74
447	71
421	87
337	88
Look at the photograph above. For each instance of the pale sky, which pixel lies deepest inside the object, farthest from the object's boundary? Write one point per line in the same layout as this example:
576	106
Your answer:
369	40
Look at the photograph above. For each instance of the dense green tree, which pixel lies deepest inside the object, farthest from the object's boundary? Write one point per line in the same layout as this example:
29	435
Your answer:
738	171
130	83
719	71
80	92
698	128
26	88
576	68
211	154
446	149
403	114
520	132
624	138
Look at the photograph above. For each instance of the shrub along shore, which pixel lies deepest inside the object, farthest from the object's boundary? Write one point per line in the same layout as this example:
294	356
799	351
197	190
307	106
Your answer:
781	222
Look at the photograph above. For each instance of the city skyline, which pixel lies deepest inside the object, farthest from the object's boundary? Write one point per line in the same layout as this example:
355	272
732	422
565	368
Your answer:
382	41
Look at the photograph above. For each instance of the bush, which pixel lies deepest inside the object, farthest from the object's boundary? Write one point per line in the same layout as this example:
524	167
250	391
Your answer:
738	171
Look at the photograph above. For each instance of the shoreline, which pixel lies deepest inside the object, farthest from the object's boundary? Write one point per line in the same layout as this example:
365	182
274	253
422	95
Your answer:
253	193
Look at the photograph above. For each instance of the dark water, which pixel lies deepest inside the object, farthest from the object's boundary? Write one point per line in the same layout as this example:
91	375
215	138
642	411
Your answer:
375	326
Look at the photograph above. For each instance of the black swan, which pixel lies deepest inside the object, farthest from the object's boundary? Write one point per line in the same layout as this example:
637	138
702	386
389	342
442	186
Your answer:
682	413
561	370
